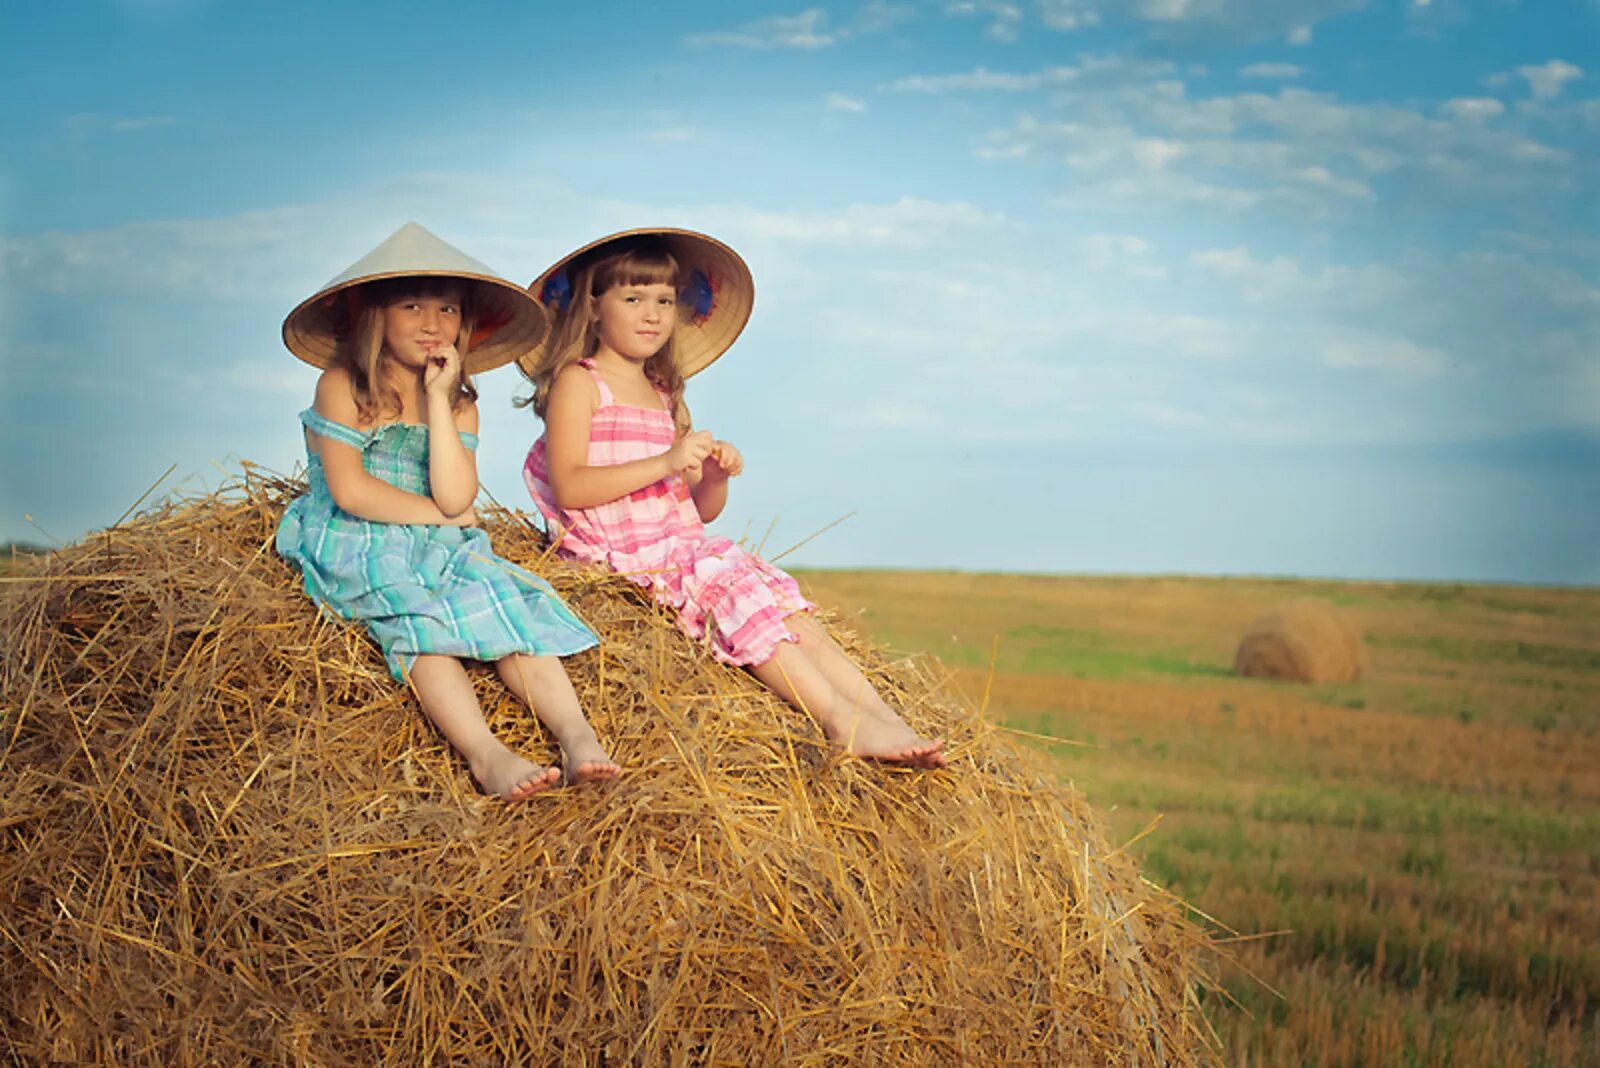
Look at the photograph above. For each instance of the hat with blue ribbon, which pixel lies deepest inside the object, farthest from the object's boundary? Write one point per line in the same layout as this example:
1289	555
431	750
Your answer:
715	291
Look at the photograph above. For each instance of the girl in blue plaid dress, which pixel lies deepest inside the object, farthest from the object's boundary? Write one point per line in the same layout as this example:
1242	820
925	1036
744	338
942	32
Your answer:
386	532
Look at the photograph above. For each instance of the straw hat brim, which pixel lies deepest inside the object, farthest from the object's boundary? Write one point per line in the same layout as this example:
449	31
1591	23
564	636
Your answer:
507	321
697	344
516	321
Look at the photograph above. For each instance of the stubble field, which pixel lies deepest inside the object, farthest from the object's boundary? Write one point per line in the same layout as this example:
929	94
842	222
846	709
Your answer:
1411	861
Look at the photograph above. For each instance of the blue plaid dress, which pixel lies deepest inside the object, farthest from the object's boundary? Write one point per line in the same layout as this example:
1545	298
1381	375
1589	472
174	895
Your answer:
418	588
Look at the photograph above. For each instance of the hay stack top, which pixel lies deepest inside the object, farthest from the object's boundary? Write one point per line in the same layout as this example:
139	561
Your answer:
230	837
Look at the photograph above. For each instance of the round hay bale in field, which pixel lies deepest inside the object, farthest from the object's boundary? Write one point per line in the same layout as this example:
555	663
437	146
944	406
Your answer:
229	837
1304	641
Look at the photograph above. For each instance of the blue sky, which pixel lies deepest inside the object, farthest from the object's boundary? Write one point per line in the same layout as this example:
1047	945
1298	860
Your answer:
1208	286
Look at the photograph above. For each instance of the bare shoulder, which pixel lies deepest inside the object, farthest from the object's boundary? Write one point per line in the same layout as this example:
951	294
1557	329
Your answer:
336	397
684	421
574	385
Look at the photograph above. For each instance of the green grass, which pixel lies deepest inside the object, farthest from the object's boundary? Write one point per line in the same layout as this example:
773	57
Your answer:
1494	651
1079	654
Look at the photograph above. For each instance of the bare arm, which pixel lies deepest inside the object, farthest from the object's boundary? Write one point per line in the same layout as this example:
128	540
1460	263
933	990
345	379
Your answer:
708	480
452	467
578	484
711	492
355	491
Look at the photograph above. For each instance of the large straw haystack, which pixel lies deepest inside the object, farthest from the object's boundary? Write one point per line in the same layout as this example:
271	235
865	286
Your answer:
1304	641
229	837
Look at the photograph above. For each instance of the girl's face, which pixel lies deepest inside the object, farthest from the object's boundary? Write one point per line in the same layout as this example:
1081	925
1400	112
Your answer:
635	321
414	326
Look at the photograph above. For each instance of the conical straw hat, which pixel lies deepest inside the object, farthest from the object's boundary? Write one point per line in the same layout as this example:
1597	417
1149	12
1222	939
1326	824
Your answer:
509	322
714	303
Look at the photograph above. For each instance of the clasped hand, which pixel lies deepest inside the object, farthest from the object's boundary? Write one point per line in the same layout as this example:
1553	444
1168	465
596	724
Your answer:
697	453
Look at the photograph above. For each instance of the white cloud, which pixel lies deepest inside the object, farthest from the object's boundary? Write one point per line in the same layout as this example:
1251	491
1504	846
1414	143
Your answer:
1127	254
1004	18
809	30
1473	108
889	415
1087	73
1548	79
906	223
1168	415
844	102
276	377
1240	19
1103	248
983	79
1393	354
1271	70
1070	15
142	122
1283	283
1304	150
1195	337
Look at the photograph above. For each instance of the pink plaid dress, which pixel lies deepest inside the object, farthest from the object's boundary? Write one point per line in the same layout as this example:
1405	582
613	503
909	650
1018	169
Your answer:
733	599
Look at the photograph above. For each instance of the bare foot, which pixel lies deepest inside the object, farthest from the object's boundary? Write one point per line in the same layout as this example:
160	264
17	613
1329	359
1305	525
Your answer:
896	743
585	761
511	777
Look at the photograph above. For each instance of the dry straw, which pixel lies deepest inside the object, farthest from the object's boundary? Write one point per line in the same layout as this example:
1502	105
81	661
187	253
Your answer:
1304	641
230	838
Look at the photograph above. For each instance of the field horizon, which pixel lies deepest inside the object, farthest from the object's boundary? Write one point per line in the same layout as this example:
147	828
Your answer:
1404	867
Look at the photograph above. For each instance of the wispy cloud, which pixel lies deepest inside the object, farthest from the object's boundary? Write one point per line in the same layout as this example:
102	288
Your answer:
1153	144
1478	107
1087	72
1275	71
1004	18
907	223
142	122
811	29
1070	15
807	30
844	102
983	79
1392	354
1239	19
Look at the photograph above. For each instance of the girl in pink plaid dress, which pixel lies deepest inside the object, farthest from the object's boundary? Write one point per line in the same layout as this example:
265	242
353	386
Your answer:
624	479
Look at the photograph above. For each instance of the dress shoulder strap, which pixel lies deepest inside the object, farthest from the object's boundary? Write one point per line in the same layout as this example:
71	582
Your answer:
320	424
606	399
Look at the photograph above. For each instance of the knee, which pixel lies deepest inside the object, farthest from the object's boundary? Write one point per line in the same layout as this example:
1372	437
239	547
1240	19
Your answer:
532	669
803	629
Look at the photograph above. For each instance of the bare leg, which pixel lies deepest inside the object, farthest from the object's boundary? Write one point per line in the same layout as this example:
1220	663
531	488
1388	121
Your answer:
791	675
447	700
836	665
847	680
542	684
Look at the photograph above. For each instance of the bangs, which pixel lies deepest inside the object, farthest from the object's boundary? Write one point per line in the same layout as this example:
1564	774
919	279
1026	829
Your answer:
387	291
637	267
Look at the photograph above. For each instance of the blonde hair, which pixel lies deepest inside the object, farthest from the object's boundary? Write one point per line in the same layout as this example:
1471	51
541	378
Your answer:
575	334
361	352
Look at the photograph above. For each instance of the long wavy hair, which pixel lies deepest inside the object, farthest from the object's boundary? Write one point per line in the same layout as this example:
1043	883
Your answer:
361	350
575	334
